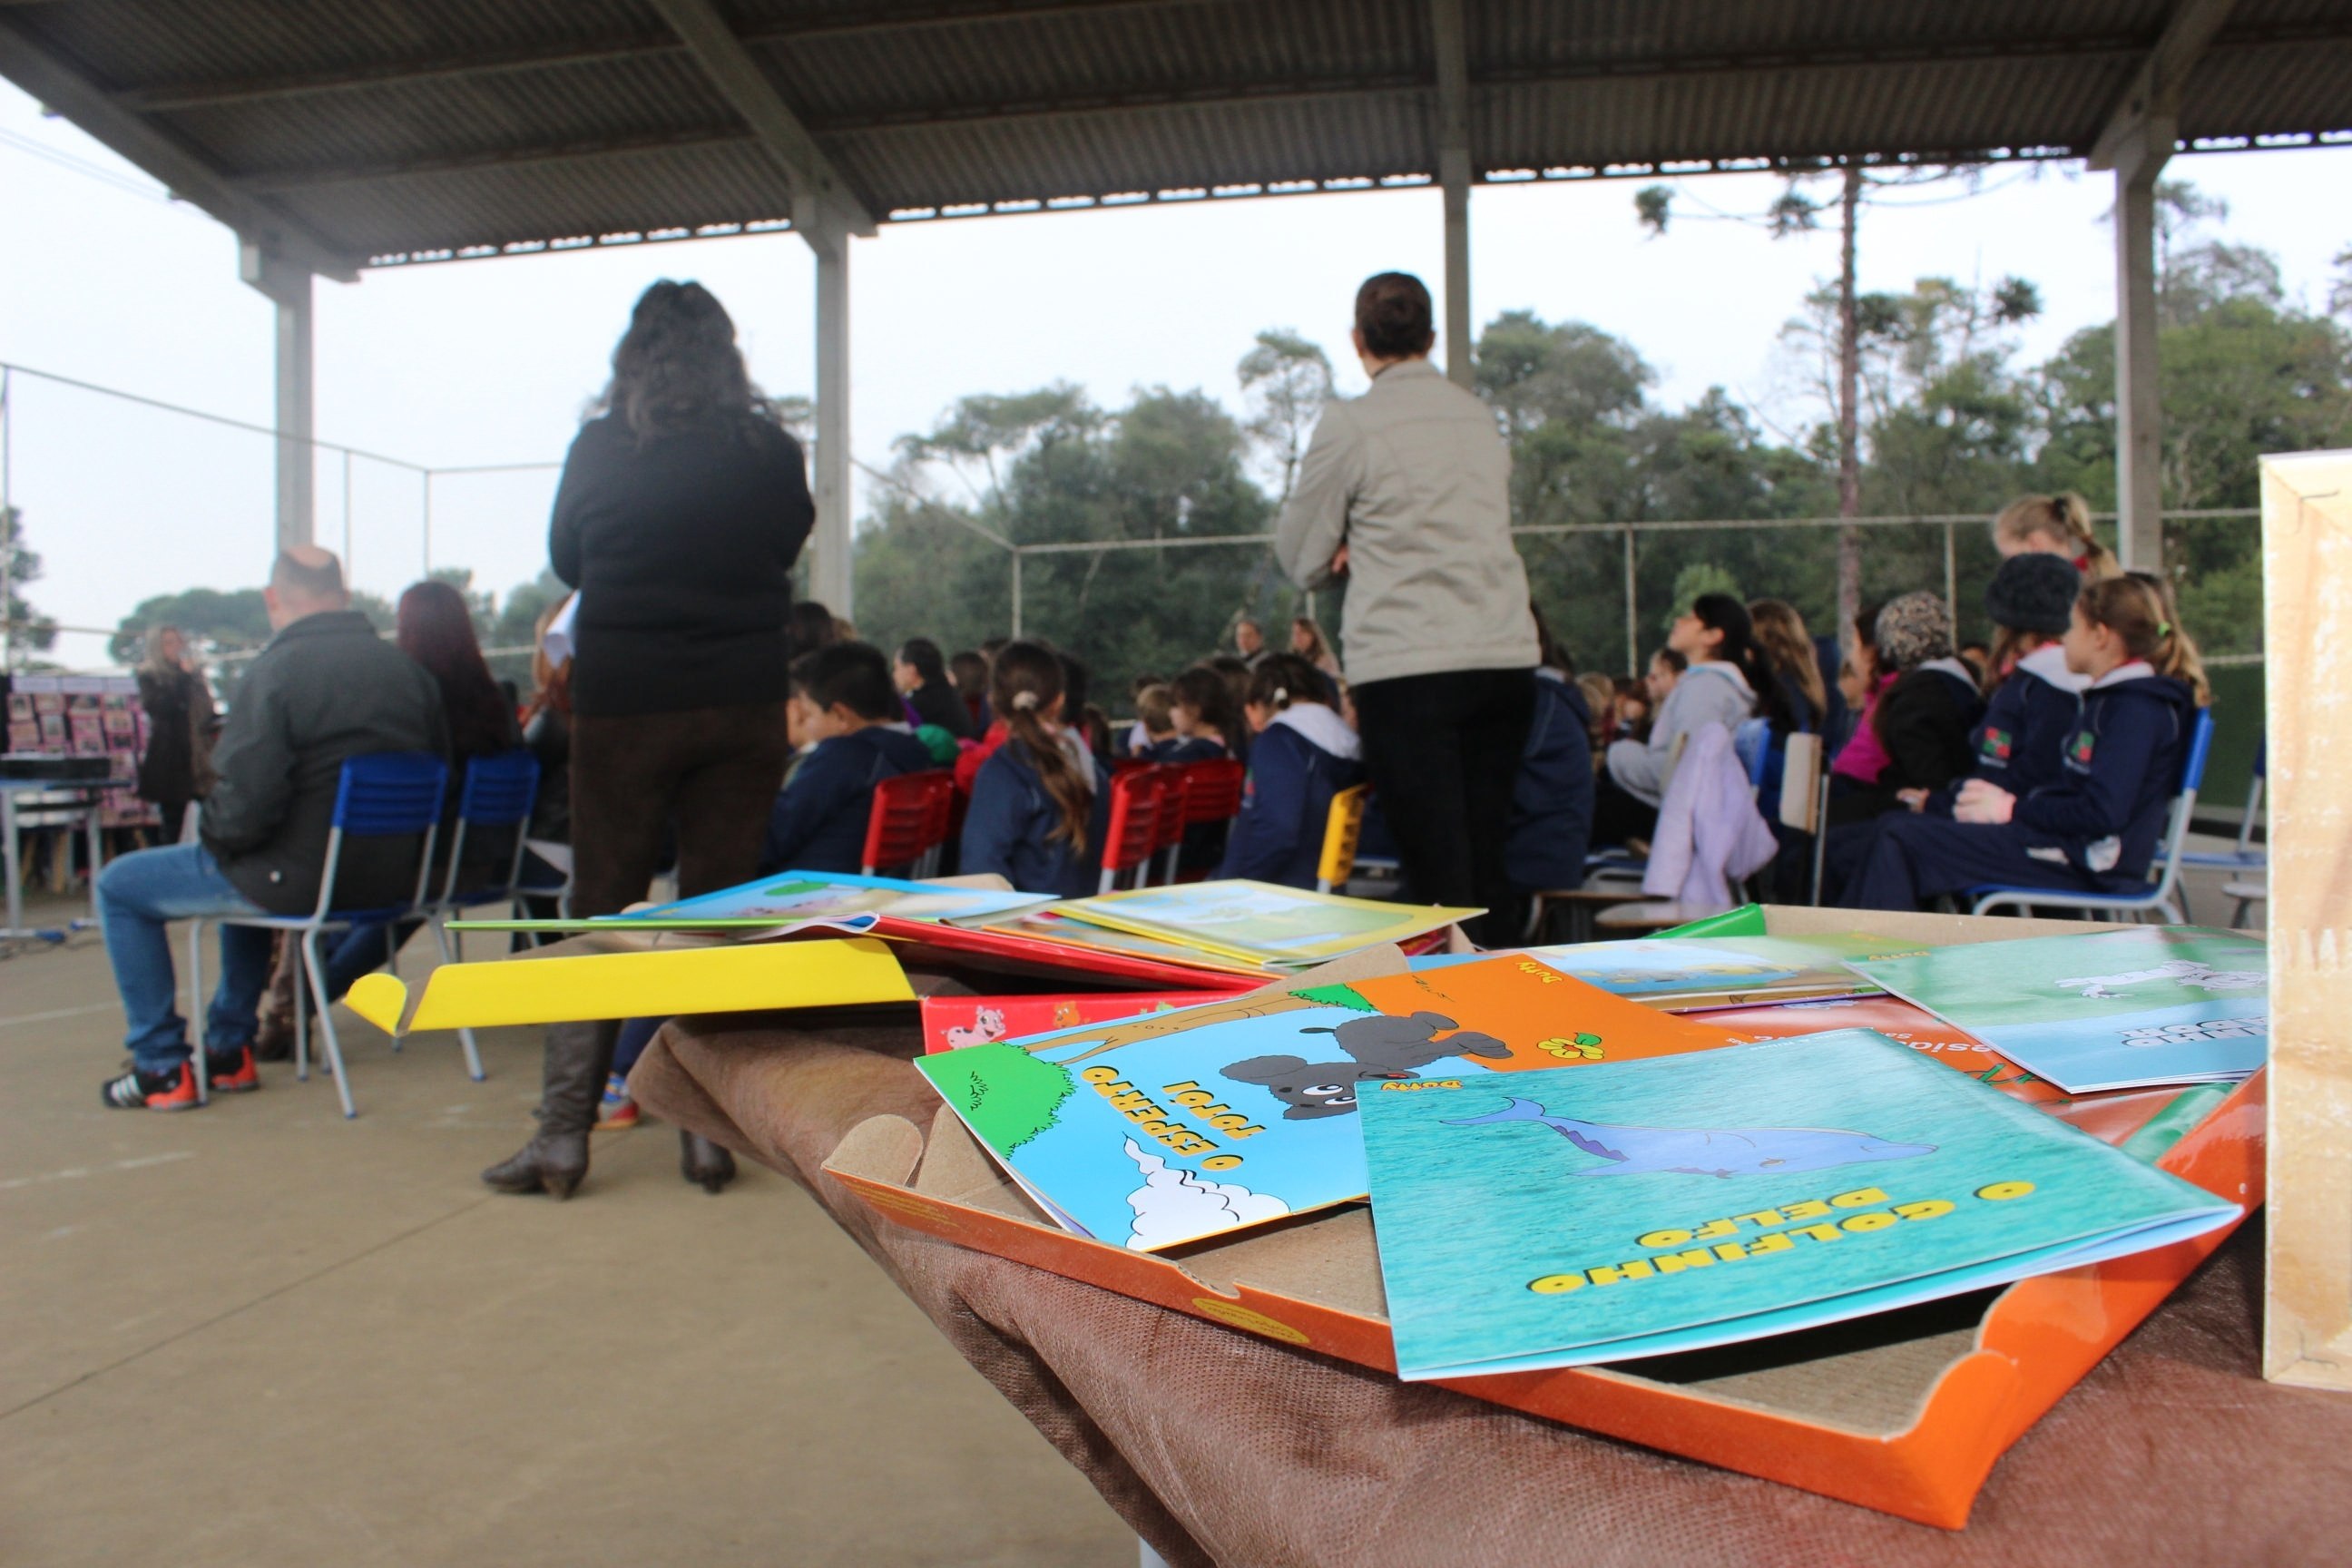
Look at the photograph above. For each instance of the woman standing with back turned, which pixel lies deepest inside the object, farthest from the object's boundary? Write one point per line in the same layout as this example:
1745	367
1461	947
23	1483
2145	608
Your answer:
1405	493
682	508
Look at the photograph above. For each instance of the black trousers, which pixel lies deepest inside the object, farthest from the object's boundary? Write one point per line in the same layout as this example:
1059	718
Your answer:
1442	753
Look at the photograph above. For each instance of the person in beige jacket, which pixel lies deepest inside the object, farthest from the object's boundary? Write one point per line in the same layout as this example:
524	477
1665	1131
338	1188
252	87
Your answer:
1404	494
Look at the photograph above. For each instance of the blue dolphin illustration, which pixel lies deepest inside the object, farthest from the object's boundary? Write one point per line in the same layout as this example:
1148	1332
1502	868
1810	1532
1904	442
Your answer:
1706	1152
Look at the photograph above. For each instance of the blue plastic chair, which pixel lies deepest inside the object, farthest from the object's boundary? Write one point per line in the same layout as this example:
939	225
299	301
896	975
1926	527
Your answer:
2245	857
498	792
2160	895
388	794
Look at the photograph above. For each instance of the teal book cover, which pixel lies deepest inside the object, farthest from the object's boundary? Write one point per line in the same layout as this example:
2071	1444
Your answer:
1620	1210
2121	1009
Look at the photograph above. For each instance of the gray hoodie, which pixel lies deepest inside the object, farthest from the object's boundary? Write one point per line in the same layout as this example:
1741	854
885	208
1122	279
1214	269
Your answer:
1415	479
1709	692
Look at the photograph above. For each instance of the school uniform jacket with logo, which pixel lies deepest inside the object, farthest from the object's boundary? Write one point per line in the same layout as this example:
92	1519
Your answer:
2026	722
1301	760
2119	769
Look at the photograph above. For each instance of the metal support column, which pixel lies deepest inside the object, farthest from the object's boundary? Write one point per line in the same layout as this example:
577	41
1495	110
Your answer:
289	288
2135	140
1016	593
1632	612
829	563
2139	409
1454	177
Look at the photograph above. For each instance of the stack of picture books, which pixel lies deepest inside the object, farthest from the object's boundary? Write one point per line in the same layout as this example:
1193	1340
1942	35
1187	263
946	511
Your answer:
1560	1174
1688	975
1200	933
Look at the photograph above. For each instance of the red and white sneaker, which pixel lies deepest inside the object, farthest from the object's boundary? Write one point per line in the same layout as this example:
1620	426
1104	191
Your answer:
232	1072
136	1090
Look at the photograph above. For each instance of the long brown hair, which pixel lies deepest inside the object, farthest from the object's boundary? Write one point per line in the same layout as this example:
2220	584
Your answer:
677	367
1024	688
2064	521
1780	633
1208	693
436	629
2137	607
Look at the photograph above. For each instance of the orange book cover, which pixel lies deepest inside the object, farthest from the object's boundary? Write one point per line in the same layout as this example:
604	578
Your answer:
1547	1018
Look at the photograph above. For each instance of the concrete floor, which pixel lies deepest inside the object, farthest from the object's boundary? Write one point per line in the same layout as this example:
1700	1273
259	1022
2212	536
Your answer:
258	1334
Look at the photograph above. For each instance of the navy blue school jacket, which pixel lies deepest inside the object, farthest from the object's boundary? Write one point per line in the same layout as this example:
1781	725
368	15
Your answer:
1185	749
1005	830
1285	805
2021	744
2119	767
818	823
1551	805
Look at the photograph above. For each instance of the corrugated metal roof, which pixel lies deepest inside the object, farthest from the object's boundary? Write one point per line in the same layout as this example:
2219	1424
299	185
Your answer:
395	129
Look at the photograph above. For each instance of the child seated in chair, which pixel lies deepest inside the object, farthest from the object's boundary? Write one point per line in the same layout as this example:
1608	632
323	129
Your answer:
1304	754
848	713
2095	829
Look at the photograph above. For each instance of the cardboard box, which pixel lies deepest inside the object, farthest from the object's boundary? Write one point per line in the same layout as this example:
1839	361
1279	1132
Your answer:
2307	570
1904	1412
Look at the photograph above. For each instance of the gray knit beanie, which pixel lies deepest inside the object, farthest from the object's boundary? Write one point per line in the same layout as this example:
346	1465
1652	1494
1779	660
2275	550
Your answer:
1913	630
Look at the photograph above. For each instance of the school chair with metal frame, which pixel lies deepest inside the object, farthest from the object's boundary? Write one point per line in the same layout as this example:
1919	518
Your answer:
1138	797
2162	895
498	792
2244	856
385	794
1213	792
907	823
1343	829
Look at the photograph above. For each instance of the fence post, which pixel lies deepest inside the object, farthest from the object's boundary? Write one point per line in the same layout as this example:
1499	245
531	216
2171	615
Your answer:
1633	612
1016	590
428	477
1951	580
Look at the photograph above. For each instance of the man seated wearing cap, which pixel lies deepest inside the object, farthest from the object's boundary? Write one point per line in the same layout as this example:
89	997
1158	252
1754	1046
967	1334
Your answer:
324	689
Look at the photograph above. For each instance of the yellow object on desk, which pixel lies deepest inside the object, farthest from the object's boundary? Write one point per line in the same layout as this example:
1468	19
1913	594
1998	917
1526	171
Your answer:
746	977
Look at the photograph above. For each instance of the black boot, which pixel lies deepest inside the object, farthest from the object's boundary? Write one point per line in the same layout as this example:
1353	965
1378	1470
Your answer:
706	1163
578	1057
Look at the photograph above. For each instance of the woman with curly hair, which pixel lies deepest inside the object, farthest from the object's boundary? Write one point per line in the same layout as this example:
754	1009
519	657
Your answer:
683	505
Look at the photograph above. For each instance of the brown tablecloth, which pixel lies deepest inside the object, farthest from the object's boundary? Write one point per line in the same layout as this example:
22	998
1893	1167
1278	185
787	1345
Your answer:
1223	1448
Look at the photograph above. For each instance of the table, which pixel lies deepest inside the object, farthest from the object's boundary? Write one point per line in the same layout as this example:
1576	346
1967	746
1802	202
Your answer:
1218	1446
88	805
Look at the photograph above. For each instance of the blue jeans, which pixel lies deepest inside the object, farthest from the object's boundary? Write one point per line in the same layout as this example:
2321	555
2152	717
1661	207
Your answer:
140	894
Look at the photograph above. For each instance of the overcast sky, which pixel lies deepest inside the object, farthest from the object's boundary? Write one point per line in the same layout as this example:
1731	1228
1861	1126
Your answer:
105	281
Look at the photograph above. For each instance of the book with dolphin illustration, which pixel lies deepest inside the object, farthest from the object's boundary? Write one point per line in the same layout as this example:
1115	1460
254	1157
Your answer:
1151	1131
1686	975
1554	1219
2122	1009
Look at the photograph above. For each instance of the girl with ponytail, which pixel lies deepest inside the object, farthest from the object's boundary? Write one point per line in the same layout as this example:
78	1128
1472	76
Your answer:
2094	829
1036	813
2053	526
1304	754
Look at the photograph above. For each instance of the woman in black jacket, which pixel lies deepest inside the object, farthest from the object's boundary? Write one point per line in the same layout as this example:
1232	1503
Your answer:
682	508
179	711
1924	720
920	673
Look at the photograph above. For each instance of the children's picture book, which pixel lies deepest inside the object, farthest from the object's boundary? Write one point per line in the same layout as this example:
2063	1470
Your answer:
1258	923
792	896
1685	975
1161	1128
2113	1116
1631	1209
952	1023
2123	1009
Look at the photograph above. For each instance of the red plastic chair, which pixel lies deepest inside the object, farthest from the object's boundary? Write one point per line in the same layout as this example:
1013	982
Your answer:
1213	792
908	823
1174	791
1138	802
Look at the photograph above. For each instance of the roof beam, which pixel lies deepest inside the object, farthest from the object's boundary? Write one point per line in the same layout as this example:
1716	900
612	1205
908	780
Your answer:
2144	121
821	199
184	173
